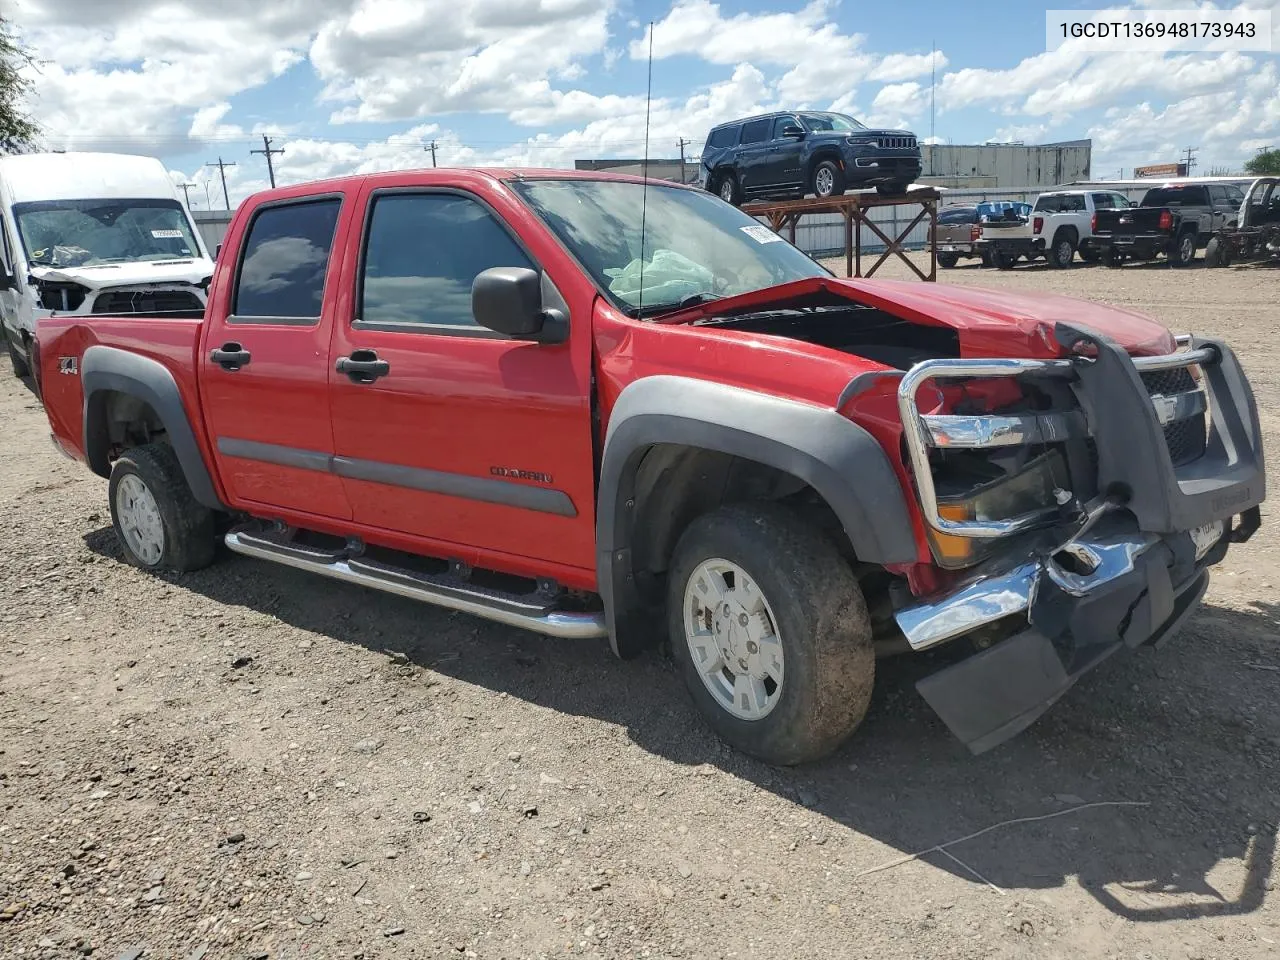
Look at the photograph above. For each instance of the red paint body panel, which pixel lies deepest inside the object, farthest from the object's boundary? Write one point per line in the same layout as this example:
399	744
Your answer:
466	405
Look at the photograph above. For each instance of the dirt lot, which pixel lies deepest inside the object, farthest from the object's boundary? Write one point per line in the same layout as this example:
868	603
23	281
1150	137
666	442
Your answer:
248	762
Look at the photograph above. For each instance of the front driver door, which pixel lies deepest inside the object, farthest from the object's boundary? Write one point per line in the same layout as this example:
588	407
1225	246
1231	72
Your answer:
470	443
784	158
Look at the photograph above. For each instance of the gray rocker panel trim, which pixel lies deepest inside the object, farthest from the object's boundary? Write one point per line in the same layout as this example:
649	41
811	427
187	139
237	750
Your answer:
483	489
831	453
107	368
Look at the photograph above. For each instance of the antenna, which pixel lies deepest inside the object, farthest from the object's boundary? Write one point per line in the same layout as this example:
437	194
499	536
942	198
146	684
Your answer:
644	171
933	83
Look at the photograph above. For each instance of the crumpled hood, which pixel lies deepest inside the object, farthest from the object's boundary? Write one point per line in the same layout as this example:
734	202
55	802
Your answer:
990	323
106	275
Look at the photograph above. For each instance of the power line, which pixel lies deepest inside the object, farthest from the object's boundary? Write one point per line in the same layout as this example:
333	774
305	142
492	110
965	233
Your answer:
1190	159
267	152
222	171
432	147
186	192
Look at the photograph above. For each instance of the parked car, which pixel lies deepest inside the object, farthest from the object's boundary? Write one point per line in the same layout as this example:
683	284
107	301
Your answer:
1175	219
1060	225
957	235
466	387
89	234
1256	233
787	155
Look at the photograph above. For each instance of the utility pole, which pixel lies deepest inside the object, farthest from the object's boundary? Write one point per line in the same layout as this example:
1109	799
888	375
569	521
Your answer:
186	191
267	152
222	171
683	143
432	147
1190	159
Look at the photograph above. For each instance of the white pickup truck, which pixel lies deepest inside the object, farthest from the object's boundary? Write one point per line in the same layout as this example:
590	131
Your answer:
1061	224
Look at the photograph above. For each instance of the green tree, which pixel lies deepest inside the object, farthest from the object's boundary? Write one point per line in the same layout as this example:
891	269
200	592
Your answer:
18	132
1264	164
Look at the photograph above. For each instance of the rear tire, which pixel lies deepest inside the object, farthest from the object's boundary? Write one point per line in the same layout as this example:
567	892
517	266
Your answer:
21	368
157	520
1113	258
754	595
1004	259
948	260
1184	250
827	180
986	259
1088	254
1062	253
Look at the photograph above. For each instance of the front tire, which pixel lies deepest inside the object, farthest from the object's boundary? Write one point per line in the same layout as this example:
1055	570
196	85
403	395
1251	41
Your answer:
827	180
771	633
21	368
157	520
727	189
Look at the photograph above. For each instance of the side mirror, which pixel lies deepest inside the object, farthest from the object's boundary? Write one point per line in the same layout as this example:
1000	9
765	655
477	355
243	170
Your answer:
791	130
508	300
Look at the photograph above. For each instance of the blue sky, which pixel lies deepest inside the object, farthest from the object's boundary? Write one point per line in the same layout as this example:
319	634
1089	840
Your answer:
357	85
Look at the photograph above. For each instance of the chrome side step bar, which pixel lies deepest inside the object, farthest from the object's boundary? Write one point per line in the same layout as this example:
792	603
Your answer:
489	605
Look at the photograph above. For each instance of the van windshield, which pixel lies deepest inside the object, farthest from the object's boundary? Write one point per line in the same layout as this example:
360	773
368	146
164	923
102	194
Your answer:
696	246
80	233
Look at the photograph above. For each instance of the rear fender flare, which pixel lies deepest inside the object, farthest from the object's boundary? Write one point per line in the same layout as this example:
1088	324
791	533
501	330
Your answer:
107	369
843	463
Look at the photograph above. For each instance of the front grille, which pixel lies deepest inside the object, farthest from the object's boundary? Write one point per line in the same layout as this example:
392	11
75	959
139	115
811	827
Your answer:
898	143
146	301
1186	439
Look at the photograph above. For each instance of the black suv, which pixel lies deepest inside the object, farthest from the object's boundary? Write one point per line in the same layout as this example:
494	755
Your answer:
785	155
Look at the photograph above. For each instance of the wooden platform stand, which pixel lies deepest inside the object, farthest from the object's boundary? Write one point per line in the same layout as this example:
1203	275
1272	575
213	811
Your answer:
854	207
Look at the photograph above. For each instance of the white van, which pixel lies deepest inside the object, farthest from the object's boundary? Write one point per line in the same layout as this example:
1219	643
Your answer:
93	233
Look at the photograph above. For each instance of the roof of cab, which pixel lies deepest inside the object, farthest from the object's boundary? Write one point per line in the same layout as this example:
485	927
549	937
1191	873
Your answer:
455	176
84	176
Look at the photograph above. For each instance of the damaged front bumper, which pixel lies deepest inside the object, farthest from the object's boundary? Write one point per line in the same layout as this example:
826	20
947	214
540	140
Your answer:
1129	574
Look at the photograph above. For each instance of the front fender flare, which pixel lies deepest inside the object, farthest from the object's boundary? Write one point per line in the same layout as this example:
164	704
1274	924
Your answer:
830	453
109	369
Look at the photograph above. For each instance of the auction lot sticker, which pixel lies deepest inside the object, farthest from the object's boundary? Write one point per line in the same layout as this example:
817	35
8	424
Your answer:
1157	31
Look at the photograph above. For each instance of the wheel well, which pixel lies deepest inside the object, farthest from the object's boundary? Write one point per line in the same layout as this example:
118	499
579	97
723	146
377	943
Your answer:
817	158
114	422
675	484
1069	232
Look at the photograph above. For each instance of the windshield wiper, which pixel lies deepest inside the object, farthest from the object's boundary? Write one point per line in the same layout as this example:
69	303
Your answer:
657	309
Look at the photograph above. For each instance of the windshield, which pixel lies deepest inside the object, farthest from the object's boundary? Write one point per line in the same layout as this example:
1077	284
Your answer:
696	246
831	121
80	233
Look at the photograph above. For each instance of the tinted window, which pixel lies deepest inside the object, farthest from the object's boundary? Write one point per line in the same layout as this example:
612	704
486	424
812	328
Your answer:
285	259
960	215
1176	197
1060	203
756	131
1234	194
781	123
723	137
422	254
1121	202
1102	201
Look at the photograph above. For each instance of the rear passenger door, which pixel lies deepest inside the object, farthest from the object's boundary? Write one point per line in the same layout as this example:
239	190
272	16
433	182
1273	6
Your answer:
754	152
264	369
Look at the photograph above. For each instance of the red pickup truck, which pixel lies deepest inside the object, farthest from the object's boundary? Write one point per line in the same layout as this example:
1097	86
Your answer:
479	389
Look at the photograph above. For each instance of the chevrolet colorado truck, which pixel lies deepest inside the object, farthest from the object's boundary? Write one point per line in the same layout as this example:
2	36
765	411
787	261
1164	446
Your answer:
481	389
1175	219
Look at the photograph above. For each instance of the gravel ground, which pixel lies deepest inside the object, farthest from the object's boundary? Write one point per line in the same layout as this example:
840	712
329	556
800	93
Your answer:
249	762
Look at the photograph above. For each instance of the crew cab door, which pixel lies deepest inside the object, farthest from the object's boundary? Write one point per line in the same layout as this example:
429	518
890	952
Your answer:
264	363
755	151
784	158
474	445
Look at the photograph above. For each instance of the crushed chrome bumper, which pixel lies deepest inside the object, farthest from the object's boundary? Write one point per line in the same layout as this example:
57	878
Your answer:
1065	599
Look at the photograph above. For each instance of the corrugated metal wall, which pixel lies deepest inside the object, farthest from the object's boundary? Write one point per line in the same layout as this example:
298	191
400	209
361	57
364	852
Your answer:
1013	165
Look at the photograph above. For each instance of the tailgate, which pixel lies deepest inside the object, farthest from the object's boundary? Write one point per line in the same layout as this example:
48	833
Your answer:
1128	222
